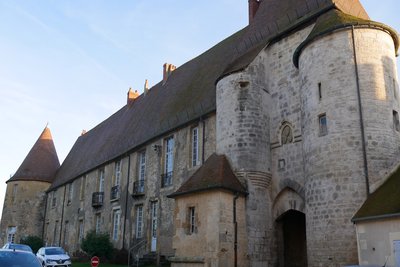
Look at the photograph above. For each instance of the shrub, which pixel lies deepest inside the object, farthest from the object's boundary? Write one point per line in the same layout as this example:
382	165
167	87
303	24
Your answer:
97	245
34	242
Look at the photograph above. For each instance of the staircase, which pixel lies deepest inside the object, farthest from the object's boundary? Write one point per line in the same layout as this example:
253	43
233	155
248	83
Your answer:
139	258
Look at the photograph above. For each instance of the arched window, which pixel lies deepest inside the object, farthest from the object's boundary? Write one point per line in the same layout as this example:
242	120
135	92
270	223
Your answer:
286	135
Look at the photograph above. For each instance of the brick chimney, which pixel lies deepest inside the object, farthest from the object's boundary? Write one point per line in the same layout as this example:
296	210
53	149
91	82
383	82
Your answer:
131	96
168	69
146	87
253	7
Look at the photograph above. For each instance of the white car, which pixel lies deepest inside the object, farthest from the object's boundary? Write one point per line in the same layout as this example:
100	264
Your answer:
53	257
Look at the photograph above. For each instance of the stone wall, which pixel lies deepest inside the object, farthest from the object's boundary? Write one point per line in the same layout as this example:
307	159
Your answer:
24	205
212	243
69	212
335	181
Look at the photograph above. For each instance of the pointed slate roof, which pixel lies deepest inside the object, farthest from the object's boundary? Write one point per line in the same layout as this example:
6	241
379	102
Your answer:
189	92
215	173
384	202
41	163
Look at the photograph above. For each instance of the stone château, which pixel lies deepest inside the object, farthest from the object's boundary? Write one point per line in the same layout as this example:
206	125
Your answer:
258	152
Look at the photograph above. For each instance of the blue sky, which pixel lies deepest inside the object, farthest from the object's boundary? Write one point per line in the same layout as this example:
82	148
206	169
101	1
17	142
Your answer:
71	63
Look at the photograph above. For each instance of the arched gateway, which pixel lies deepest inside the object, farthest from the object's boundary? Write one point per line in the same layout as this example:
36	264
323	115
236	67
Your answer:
290	229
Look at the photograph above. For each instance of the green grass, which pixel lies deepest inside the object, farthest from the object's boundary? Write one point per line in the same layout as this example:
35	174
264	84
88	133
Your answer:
87	264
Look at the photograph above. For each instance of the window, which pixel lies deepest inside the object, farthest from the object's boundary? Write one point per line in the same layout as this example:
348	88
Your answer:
11	230
139	221
81	231
101	180
192	220
53	199
394	88
98	223
169	161
396	123
323	127
66	233
195	146
116	221
117	173
286	135
55	234
83	187
142	171
70	193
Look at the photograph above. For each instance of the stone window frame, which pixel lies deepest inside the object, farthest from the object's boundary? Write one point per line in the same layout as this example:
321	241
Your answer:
396	122
83	188
81	230
281	132
70	193
116	224
192	218
323	124
195	146
97	223
141	167
117	172
139	221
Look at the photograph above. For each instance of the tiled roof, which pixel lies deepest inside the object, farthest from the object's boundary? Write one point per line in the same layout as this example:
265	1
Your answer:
189	92
215	173
41	163
334	20
384	202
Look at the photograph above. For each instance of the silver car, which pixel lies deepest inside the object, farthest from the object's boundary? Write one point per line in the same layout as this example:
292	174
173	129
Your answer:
14	246
53	257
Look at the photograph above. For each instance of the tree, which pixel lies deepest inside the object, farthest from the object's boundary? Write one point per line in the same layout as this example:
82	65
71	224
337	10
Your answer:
34	242
97	245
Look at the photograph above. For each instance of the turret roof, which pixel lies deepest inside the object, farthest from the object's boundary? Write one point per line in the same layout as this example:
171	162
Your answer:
189	92
215	173
41	163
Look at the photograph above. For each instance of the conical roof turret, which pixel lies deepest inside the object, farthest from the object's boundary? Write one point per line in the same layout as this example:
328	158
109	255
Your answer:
41	163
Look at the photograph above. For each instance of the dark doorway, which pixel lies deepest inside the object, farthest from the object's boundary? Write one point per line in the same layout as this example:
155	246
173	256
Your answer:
293	239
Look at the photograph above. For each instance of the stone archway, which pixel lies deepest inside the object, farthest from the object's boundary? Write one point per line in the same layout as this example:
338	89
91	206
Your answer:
290	229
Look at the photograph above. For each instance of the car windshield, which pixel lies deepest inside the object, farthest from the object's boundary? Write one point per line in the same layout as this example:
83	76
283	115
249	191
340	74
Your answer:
18	259
54	251
20	247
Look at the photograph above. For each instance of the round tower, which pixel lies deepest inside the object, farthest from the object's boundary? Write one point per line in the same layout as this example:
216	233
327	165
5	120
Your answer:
24	203
243	136
348	91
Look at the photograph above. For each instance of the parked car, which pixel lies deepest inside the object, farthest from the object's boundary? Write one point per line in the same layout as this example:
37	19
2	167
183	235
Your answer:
17	247
53	257
18	258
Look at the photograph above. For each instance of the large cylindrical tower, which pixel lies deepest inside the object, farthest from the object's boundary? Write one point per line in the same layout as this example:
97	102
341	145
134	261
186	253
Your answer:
24	203
349	138
243	136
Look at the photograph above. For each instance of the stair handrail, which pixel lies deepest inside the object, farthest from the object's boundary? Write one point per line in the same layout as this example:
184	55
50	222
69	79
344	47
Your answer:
137	246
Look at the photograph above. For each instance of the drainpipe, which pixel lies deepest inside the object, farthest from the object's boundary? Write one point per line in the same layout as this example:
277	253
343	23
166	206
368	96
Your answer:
62	215
44	218
203	139
361	114
235	226
126	203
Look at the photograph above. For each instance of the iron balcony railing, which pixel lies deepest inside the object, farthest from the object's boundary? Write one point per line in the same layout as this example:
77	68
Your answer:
115	192
166	179
138	188
97	199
